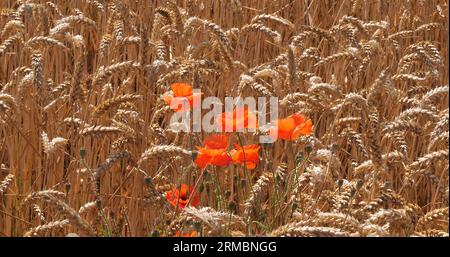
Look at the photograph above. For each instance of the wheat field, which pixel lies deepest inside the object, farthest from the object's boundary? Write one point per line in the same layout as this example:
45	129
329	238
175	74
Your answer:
86	147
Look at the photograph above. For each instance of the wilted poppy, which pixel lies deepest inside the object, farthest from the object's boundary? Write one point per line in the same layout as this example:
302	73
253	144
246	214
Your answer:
181	97
180	197
240	118
214	152
291	127
247	155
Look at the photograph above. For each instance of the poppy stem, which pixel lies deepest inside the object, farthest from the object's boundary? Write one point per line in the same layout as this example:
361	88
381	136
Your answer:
194	189
245	163
242	146
178	203
247	177
218	190
228	233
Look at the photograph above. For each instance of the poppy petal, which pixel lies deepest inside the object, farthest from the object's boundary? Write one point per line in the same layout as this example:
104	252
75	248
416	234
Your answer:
180	197
211	152
240	118
304	129
286	124
298	118
179	233
202	160
250	165
251	121
195	99
217	141
279	134
222	160
247	155
180	104
181	89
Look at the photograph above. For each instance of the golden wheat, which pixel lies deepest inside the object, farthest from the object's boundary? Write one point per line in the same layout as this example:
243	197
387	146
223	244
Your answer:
85	132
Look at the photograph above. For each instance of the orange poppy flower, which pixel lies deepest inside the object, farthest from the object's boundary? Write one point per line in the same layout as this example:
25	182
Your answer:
181	97
247	155
180	197
179	233
291	127
214	152
240	118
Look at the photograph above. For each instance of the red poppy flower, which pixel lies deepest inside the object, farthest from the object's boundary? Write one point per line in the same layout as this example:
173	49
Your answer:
214	152
240	118
180	197
247	155
291	127
179	233
181	97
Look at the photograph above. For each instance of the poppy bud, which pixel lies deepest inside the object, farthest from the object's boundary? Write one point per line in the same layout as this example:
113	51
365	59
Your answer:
82	153
266	145
340	182
201	187
98	204
359	184
334	148
148	181
155	233
308	149
197	226
194	155
299	157
231	205
353	192
68	186
278	178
